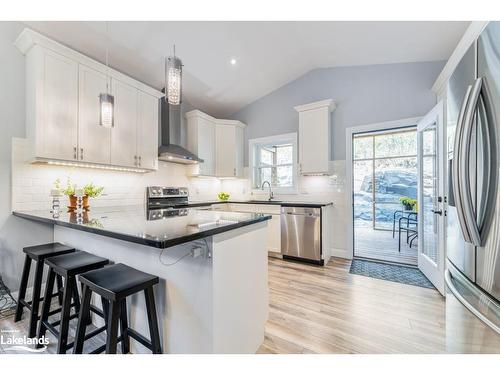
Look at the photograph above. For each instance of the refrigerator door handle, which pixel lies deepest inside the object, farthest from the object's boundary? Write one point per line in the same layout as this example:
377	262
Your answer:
465	186
490	176
456	174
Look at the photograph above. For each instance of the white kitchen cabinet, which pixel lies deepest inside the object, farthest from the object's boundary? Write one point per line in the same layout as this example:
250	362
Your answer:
62	109
229	150
218	142
315	137
124	131
201	141
147	130
52	104
274	234
94	140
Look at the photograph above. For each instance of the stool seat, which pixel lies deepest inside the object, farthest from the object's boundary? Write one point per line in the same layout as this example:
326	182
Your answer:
40	252
75	263
117	281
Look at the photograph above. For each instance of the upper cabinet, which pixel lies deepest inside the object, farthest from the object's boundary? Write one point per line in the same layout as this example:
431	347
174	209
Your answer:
52	104
94	141
62	109
201	141
229	150
315	137
218	142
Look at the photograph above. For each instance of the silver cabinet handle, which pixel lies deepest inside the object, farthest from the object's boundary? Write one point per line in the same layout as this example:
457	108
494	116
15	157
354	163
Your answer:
464	181
135	160
81	153
140	161
457	193
75	152
234	171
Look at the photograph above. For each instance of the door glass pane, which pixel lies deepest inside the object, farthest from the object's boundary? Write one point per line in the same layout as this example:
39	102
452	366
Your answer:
395	178
363	147
396	144
362	189
429	193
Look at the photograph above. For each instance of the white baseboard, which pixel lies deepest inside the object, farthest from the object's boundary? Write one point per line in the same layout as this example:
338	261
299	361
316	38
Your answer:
341	253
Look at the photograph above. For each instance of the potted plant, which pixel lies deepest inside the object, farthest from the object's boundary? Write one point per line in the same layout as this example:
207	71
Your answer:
409	204
91	191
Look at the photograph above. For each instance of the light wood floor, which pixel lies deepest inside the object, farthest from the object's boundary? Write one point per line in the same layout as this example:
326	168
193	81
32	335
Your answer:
328	310
379	244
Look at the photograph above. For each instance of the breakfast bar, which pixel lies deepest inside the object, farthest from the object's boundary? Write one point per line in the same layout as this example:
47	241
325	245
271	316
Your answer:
212	265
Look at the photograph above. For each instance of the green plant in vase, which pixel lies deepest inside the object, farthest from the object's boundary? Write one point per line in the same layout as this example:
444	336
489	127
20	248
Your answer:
409	204
90	190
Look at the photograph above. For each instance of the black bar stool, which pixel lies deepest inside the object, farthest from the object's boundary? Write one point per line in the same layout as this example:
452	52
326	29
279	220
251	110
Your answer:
67	266
37	254
115	283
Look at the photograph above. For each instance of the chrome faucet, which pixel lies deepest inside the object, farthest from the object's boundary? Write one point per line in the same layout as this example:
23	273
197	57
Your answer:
271	195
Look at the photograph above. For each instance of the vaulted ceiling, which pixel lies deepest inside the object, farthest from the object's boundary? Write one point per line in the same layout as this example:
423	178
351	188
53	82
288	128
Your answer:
267	54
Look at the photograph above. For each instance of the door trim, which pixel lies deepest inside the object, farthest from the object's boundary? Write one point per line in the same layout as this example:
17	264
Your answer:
434	274
349	133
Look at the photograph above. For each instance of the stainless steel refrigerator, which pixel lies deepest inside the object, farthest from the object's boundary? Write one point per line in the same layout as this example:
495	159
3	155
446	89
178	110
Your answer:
473	200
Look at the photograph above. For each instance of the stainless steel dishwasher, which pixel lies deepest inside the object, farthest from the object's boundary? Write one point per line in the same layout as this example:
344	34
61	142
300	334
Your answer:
301	234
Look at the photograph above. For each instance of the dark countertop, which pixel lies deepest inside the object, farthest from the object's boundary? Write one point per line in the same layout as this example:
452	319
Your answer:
274	202
130	224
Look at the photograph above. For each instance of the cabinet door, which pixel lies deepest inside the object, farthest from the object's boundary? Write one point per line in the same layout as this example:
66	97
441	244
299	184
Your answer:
313	141
94	140
226	150
124	132
58	134
239	142
147	130
274	234
206	146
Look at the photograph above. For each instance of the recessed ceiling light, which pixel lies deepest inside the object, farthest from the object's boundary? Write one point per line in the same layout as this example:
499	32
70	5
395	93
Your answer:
233	61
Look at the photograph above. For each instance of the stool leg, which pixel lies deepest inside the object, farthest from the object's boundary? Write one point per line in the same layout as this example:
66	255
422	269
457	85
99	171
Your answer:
105	310
65	313
124	327
89	318
153	322
113	317
59	284
47	300
22	288
82	316
35	301
76	297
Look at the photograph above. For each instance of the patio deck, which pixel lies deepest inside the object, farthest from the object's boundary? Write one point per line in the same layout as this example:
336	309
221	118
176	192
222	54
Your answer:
379	244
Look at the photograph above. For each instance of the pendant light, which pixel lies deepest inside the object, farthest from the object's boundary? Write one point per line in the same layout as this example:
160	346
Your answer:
173	80
106	100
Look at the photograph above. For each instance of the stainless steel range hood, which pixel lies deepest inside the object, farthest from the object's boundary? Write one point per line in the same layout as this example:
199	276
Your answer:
170	136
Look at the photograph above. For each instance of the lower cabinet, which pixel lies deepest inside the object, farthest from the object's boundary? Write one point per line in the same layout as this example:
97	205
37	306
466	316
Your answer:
273	225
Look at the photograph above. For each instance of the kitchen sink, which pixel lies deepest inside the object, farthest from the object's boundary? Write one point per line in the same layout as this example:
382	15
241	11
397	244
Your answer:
264	201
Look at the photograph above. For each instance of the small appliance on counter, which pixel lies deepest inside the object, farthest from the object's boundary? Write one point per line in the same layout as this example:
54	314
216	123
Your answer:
164	202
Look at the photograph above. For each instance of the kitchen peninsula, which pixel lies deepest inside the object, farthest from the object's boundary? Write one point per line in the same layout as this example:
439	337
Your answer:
212	296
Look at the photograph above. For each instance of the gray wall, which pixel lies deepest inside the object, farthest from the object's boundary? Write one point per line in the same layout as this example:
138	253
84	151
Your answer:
364	95
15	233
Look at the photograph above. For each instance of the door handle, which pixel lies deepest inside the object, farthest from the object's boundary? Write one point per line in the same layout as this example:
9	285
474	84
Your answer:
75	151
81	153
437	212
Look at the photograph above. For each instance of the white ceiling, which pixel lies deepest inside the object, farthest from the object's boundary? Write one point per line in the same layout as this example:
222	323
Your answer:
269	54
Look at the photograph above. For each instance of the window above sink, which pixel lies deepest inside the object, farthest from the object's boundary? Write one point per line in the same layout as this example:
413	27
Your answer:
274	159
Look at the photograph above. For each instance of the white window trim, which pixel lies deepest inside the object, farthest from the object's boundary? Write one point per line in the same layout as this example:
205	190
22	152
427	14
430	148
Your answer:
281	138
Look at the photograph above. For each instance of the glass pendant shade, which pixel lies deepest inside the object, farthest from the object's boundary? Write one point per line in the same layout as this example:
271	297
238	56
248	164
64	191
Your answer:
174	80
106	118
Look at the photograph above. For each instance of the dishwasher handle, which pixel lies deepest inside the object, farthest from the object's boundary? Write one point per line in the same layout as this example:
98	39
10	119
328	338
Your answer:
301	211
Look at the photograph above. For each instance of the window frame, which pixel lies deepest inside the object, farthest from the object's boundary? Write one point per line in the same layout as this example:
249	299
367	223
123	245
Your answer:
288	138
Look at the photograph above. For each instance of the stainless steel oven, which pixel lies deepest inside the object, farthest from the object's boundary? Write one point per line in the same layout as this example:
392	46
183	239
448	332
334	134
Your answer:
301	234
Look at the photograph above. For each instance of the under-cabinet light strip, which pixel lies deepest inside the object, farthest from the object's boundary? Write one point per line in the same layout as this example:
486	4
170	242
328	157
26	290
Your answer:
95	166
